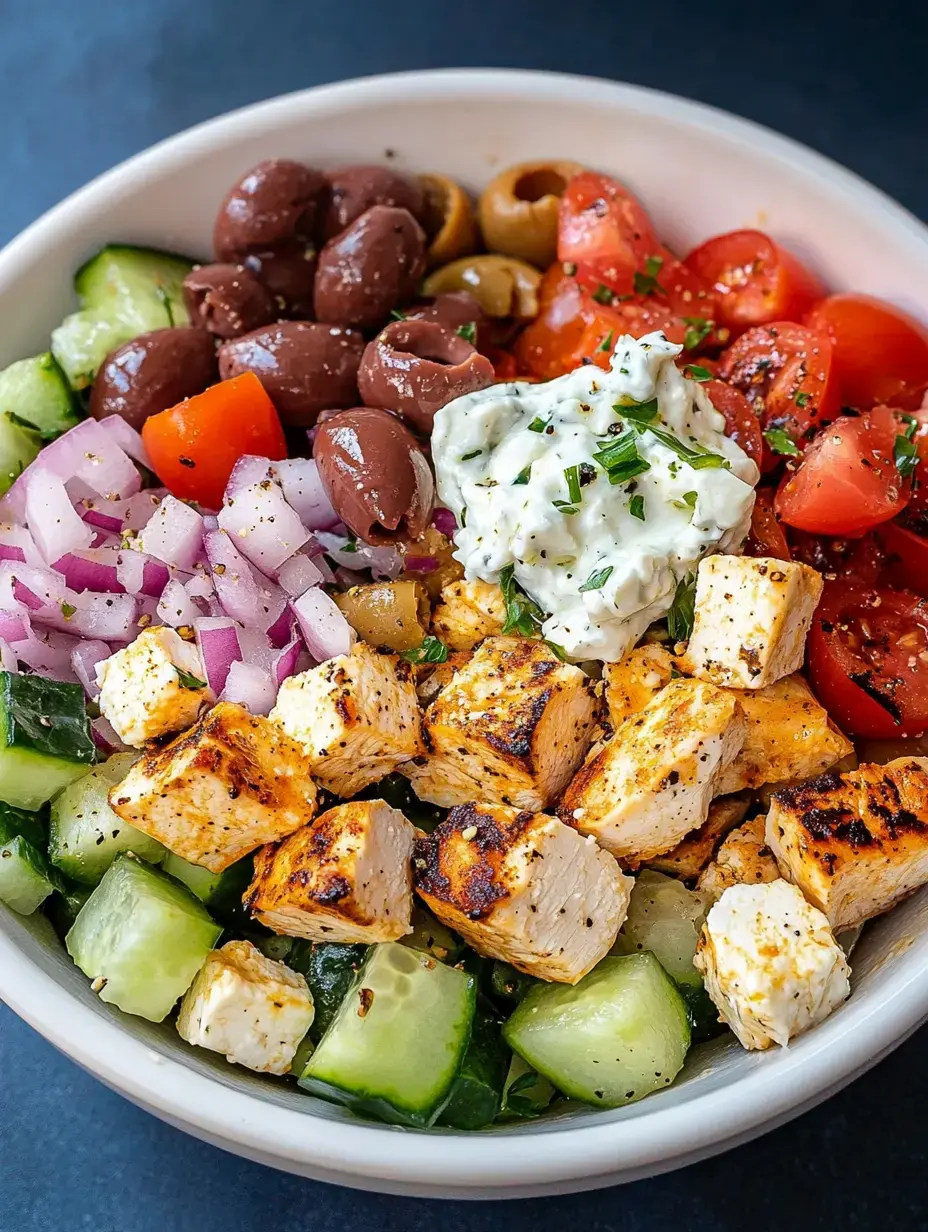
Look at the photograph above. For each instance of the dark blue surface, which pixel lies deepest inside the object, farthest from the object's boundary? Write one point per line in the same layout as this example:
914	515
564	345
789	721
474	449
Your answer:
83	85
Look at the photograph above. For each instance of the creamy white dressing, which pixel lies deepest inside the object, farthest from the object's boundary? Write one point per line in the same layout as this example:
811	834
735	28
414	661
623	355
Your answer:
482	445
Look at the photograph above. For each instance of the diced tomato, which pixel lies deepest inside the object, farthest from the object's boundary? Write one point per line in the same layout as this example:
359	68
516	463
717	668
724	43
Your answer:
742	424
868	659
848	481
569	326
194	445
755	281
766	537
785	371
906	557
603	226
880	352
852	560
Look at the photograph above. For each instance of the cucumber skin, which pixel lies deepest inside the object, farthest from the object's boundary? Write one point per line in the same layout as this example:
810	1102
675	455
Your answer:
37	390
477	1093
64	906
508	986
45	740
26	880
19	446
221	892
330	968
705	1023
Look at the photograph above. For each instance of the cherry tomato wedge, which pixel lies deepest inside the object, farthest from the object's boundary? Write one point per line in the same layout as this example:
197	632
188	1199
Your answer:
766	537
194	445
742	424
785	371
602	225
847	481
755	281
906	557
853	560
868	659
880	352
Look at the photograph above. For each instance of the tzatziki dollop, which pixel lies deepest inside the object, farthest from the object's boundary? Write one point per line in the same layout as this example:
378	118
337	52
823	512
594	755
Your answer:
601	490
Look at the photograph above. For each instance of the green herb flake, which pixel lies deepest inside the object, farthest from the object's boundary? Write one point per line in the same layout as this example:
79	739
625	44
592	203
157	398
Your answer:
559	653
523	476
638	412
598	579
189	682
467	457
468	332
636	507
538	424
699	458
602	294
68	610
699	329
620	459
523	615
572	476
565	507
396	315
687	504
802	398
683	609
350	546
606	344
905	455
781	442
432	650
697	373
646	283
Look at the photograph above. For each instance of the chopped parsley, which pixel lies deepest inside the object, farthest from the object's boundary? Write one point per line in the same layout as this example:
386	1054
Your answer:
350	546
523	615
572	475
538	424
606	344
646	283
432	650
688	503
699	458
558	651
638	412
565	507
905	454
636	507
524	475
781	442
474	453
683	609
468	332
802	398
189	682
699	329
598	579
68	610
396	315
620	458
521	1097
697	373
603	295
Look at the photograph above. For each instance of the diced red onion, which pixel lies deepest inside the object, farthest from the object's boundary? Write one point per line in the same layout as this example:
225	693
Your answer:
106	515
49	654
201	590
95	569
84	659
8	660
344	579
105	738
233	580
421	564
299	573
257	649
286	661
444	521
17	544
14	627
141	574
217	638
28	598
383	562
263	526
85	452
176	607
53	523
116	516
281	631
174	534
109	617
128	440
304	491
251	687
247	471
325	630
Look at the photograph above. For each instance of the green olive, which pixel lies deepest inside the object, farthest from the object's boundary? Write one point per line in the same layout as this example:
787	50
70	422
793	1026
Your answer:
391	614
518	210
502	286
449	220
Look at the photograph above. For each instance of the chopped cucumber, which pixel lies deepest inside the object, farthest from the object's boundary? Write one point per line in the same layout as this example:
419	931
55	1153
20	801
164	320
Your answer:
304	1051
124	291
432	937
141	937
64	906
398	1040
478	1088
704	1018
329	968
19	445
45	740
37	391
509	986
221	892
271	945
25	878
665	918
526	1093
86	835
619	1034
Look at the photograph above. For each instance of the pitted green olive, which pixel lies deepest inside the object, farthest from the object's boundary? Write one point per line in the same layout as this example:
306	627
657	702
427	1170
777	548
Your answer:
502	286
448	218
518	210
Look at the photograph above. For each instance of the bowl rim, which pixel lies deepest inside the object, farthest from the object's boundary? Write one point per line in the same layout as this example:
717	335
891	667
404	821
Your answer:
563	1154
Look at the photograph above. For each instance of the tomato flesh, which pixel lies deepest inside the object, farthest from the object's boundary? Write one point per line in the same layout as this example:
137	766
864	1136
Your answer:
880	353
868	659
906	557
742	425
848	481
602	225
756	282
766	537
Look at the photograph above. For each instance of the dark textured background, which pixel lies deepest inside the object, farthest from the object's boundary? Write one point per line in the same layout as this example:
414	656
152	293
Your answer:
83	84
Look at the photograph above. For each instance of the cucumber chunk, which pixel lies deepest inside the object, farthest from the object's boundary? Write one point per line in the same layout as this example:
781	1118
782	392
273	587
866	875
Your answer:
37	391
64	906
397	1042
19	445
619	1034
705	1023
45	740
526	1093
221	892
330	968
124	291
509	986
665	918
432	937
141	937
25	878
86	835
477	1092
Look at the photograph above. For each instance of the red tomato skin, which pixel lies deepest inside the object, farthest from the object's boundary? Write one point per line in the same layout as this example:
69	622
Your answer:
766	537
601	223
906	564
852	560
847	482
880	352
754	279
742	425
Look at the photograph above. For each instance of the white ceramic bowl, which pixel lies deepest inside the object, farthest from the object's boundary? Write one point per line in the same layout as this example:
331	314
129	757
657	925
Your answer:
699	172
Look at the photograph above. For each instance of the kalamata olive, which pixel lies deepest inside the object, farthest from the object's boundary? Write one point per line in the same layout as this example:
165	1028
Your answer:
353	190
373	266
455	310
376	475
304	367
277	200
152	373
227	300
416	367
288	270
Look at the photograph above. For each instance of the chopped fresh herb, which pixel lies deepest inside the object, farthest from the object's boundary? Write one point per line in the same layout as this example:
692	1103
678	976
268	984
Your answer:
523	615
166	304
620	459
563	561
23	423
572	475
431	651
606	344
560	653
570	268
463	515
538	424
350	546
474	453
905	455
468	332
802	398
638	412
603	295
68	610
697	373
525	1104
524	475
699	330
189	682
646	283
687	503
597	580
699	459
396	315
683	609
781	442
636	507
565	507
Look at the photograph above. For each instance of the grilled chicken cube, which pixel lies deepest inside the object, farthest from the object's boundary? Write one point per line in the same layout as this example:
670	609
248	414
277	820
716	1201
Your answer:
854	843
153	687
752	617
356	717
468	612
653	781
511	727
743	859
524	888
347	877
250	1008
694	852
770	963
634	681
432	678
231	783
788	736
